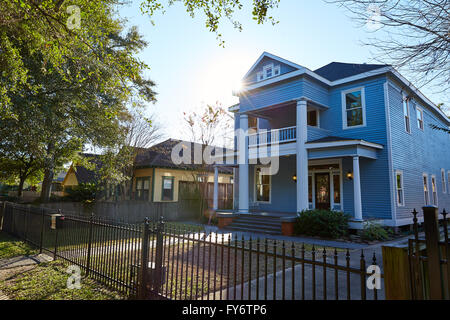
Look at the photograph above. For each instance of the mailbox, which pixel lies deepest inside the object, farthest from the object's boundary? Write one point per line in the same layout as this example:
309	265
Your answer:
57	221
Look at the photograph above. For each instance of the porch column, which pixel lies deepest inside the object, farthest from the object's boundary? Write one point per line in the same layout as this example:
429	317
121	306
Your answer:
243	164
302	157
357	189
216	189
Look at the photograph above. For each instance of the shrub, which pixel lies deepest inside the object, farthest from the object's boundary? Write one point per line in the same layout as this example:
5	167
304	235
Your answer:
373	231
85	192
322	223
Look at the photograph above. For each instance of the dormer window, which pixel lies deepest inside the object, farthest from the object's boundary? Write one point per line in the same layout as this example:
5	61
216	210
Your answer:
268	71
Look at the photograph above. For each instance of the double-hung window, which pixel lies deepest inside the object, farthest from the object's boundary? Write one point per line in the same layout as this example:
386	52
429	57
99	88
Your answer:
444	184
419	113
268	71
167	188
353	107
142	188
425	189
434	190
406	114
399	188
262	185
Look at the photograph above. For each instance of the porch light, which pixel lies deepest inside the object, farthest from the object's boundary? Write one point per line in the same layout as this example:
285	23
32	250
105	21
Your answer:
294	177
350	175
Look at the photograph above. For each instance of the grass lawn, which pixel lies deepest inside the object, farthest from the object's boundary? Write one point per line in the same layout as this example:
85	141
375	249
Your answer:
48	281
12	247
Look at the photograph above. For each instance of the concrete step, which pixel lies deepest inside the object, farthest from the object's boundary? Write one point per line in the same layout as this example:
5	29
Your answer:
259	227
261	223
253	230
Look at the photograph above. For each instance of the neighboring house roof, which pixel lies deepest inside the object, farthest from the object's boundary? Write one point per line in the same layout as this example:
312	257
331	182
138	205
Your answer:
60	176
84	175
338	70
160	155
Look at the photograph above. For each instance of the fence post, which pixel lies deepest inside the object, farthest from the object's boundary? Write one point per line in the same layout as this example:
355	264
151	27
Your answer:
144	261
56	236
2	215
432	237
157	281
88	262
41	240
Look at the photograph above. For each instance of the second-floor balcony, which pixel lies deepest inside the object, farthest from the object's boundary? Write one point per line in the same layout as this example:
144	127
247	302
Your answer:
283	135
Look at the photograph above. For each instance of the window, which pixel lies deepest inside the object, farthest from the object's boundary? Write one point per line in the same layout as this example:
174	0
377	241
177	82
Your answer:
310	189
167	188
444	185
268	71
434	190
353	108
448	180
142	188
313	118
419	113
406	114
425	189
399	188
337	188
262	183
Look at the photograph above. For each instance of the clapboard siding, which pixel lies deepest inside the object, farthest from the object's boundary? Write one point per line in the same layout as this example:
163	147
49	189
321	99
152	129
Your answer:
420	152
284	68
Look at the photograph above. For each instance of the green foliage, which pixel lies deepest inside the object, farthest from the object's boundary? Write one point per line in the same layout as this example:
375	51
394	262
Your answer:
84	192
322	223
12	247
373	231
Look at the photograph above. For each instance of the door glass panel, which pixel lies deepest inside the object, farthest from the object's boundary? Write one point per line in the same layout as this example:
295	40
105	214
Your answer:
310	189
322	190
337	188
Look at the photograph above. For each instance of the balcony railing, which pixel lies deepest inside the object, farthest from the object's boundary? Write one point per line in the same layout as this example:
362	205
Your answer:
282	135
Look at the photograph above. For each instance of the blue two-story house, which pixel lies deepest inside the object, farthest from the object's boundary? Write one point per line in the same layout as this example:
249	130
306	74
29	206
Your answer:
350	137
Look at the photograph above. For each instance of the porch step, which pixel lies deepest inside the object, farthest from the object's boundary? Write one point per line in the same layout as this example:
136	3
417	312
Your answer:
257	223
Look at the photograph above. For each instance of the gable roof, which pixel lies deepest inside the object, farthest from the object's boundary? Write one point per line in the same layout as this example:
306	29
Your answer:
84	175
274	57
160	155
338	70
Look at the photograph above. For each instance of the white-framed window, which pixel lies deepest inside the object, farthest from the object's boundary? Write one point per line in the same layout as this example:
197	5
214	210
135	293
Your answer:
263	187
444	184
406	114
426	191
399	188
353	108
268	71
434	190
419	113
313	118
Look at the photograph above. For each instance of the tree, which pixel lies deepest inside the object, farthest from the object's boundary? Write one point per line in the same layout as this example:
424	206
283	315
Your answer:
412	34
205	128
83	98
138	133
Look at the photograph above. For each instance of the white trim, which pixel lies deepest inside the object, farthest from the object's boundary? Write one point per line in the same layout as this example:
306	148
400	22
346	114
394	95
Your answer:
254	187
419	109
342	143
344	107
426	198
387	107
433	178
443	181
397	173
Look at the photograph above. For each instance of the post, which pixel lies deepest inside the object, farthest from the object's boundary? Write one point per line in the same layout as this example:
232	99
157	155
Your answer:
302	156
397	276
357	189
41	240
88	262
144	261
243	164
157	281
216	189
432	237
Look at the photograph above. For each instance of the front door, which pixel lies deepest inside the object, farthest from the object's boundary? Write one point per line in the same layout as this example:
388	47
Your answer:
322	189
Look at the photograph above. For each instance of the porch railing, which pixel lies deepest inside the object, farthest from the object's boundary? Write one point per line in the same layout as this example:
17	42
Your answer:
282	135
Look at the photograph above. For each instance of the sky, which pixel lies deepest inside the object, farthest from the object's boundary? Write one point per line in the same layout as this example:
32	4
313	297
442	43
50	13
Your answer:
191	69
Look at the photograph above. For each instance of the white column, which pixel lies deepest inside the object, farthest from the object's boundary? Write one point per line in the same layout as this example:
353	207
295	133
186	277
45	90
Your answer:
357	189
302	157
243	164
216	189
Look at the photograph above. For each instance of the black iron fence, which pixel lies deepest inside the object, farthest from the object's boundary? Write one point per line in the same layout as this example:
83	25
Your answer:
429	257
183	262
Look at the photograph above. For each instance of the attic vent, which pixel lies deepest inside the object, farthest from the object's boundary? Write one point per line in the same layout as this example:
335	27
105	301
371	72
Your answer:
268	71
